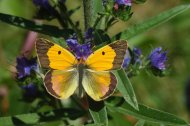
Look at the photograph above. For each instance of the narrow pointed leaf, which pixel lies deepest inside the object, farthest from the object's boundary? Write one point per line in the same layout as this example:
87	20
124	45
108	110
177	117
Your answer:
97	124
33	26
126	89
116	104
99	116
140	123
154	21
98	112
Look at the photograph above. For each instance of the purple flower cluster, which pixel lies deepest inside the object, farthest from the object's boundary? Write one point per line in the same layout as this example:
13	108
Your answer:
42	3
80	51
45	3
136	56
25	66
123	2
84	50
126	62
30	90
158	59
89	33
133	59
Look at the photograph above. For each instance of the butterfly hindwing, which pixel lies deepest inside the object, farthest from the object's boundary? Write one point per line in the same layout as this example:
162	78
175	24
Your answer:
61	84
109	57
54	56
99	84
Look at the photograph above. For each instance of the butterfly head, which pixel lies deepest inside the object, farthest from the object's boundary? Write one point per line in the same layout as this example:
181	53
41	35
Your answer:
81	60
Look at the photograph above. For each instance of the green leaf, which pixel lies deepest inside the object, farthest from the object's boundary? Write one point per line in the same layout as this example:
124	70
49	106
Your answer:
99	21
33	26
139	1
126	89
97	124
116	104
60	41
124	13
73	10
154	21
98	111
34	118
99	116
98	6
100	37
118	119
140	123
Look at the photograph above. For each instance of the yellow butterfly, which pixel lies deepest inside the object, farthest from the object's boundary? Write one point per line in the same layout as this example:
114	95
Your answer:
67	73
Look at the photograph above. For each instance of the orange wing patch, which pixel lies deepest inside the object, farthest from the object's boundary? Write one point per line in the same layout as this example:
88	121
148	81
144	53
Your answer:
99	85
61	84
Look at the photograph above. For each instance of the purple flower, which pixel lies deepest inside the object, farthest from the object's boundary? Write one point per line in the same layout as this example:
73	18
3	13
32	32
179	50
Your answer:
83	51
72	43
126	62
42	3
89	35
123	2
158	58
80	51
133	57
30	90
25	66
136	56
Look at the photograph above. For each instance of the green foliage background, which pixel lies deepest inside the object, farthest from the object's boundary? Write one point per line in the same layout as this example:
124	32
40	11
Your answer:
165	93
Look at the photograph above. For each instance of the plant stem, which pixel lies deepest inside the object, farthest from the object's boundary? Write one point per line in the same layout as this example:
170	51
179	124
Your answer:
65	16
75	28
88	13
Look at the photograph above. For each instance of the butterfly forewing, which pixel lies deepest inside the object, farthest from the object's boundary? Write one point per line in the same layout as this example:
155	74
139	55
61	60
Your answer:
109	57
54	56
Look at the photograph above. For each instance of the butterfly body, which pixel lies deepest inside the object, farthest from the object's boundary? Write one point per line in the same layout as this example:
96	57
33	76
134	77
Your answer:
81	68
92	74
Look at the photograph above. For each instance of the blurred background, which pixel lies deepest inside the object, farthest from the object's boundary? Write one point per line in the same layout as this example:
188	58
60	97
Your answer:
166	93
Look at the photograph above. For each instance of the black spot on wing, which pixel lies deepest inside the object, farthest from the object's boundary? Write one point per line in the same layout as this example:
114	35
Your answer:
103	53
59	52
